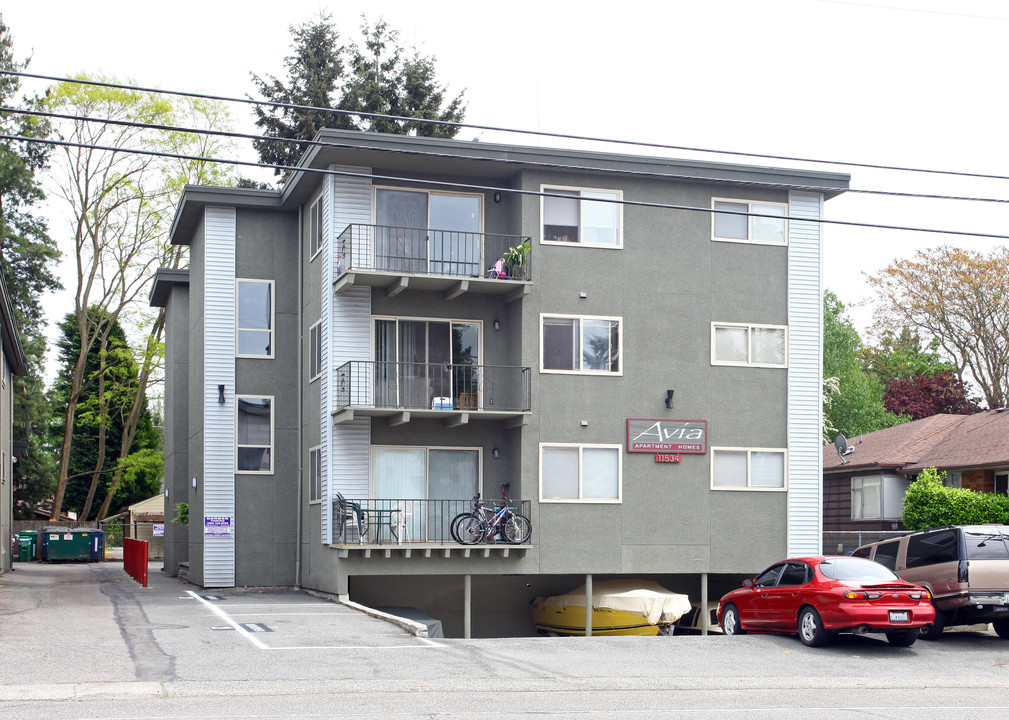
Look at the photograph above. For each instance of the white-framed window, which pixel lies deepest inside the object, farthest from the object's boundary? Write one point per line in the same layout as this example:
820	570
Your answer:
748	469
572	472
254	434
314	229
752	225
751	345
254	318
866	498
315	351
315	474
582	215
580	344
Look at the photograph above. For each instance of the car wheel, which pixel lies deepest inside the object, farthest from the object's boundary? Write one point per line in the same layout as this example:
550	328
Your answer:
1001	627
730	621
811	630
934	631
904	638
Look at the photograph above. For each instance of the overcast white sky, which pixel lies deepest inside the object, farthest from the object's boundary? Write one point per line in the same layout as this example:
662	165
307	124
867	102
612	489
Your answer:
898	82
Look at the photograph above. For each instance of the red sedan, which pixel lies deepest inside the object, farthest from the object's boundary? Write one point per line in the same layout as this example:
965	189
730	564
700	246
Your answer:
819	596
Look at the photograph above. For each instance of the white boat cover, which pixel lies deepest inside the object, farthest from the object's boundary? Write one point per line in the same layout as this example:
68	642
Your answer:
641	597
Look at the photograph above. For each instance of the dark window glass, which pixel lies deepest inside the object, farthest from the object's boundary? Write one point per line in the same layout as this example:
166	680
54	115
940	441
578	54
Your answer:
932	548
863	552
988	544
769	576
886	554
796	573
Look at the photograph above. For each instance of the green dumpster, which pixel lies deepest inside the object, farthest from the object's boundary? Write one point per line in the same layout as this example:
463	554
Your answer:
24	549
31	539
68	544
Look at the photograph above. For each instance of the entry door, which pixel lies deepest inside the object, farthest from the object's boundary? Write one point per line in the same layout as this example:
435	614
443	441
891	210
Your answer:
401	235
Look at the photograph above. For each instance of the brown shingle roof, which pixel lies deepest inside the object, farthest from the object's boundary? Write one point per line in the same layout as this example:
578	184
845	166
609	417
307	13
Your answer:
897	446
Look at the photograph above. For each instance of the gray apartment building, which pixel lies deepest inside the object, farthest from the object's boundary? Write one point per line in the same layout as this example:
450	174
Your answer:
632	344
13	443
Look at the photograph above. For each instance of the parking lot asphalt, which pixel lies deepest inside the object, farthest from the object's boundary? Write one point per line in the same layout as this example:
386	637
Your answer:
84	640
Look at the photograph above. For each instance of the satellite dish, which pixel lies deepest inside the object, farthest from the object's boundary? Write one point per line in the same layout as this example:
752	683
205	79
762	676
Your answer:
843	448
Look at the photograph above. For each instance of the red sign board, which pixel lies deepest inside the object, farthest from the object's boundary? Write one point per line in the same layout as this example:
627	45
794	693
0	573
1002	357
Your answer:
668	458
653	435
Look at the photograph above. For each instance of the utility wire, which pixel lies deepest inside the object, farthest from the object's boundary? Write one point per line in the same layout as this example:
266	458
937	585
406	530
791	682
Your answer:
492	128
490	188
530	163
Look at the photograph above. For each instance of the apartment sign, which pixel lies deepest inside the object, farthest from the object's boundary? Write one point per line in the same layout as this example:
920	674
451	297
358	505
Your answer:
651	435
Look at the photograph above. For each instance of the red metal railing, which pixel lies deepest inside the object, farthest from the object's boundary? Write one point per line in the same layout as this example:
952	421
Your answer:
135	559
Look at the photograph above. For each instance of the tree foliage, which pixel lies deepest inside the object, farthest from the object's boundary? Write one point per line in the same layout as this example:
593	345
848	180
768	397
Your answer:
28	258
121	206
853	402
378	77
959	299
108	392
929	504
925	395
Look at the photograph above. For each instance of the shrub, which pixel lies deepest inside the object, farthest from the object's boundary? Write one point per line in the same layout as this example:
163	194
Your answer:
928	504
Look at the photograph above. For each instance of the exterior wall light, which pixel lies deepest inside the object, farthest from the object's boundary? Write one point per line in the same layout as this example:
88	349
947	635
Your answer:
496	453
669	399
220	394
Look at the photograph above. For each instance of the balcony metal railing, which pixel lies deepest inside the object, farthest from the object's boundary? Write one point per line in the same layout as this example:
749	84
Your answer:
433	386
404	521
387	249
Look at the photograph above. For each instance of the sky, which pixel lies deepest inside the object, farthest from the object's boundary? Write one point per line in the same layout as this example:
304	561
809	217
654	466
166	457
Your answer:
909	83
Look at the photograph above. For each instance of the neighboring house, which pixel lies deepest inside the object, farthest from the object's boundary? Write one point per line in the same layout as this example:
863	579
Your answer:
355	335
146	521
865	490
13	361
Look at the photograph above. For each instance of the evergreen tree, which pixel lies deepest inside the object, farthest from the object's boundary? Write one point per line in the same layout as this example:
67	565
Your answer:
378	79
28	259
106	396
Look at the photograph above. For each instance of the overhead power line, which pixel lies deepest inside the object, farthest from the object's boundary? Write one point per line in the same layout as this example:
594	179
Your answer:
489	188
493	128
499	161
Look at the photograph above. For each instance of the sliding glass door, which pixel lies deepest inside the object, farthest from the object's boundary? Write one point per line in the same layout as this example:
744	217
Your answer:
429	474
421	232
426	364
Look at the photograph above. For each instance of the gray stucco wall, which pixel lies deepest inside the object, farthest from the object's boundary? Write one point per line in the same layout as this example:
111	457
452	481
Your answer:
266	506
177	362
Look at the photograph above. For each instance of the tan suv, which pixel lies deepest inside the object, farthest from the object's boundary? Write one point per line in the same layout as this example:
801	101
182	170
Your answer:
966	568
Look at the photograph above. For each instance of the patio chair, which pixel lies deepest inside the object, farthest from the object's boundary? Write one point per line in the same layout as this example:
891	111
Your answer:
349	510
399	524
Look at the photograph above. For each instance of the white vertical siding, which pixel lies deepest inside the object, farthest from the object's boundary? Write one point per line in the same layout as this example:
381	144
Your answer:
346	335
805	374
218	481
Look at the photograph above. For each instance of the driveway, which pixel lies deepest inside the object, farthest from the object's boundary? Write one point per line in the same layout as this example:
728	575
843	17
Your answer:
81	641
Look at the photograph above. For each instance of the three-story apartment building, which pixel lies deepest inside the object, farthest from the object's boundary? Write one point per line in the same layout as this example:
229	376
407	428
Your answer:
631	344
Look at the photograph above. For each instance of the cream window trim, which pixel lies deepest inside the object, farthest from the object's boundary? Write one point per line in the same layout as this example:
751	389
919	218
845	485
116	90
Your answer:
749	469
581	447
271	331
601	373
758	211
750	329
585	194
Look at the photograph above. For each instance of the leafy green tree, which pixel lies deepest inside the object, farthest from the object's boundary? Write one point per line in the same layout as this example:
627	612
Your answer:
854	397
109	389
379	78
121	205
28	258
960	299
901	355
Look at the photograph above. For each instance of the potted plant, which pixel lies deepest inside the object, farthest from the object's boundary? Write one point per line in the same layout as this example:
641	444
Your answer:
516	259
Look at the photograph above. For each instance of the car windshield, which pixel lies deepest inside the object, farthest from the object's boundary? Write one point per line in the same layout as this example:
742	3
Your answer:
853	568
987	544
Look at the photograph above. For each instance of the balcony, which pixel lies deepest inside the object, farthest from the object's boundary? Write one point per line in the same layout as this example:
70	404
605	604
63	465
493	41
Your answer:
450	262
412	528
456	394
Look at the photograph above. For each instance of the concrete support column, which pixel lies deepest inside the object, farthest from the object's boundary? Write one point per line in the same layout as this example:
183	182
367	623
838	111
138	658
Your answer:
467	606
704	603
588	605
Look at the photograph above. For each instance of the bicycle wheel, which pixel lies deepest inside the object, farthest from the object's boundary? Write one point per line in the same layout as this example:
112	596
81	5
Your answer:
471	530
453	528
516	529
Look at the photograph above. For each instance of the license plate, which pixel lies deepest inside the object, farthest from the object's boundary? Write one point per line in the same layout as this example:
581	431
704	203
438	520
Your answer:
897	616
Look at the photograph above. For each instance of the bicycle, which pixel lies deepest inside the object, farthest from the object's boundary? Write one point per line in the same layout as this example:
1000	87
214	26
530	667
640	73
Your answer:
479	526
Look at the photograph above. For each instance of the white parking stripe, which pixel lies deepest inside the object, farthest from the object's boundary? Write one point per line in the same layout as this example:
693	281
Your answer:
424	643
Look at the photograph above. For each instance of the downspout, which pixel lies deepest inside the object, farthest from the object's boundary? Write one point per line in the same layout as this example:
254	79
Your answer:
301	403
